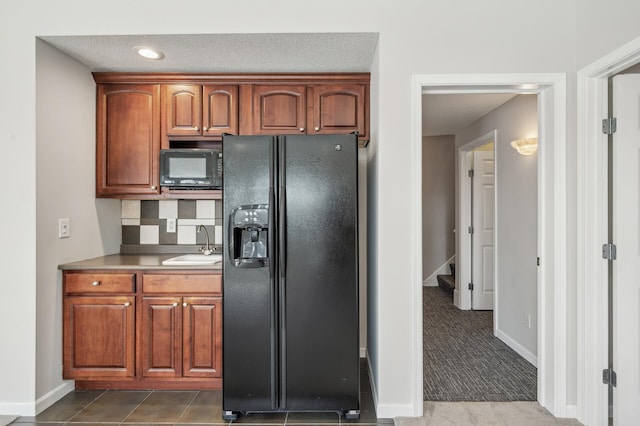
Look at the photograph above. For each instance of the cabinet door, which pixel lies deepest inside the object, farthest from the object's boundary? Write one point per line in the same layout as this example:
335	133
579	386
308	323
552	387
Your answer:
279	109
182	109
339	109
98	336
202	331
220	110
128	139
161	337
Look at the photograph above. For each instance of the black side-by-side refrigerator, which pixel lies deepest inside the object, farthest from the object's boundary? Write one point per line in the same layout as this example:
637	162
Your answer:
290	275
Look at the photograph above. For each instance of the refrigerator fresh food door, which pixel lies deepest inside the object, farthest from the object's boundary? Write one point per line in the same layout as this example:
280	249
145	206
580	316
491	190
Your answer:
319	272
249	297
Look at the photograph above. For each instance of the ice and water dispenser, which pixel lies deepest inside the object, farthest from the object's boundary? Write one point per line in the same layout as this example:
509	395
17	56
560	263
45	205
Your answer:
249	236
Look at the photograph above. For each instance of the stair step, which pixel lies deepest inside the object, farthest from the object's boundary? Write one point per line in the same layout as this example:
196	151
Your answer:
446	282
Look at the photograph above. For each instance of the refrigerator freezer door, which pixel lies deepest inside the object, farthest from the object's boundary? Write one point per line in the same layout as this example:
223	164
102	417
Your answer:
319	284
249	324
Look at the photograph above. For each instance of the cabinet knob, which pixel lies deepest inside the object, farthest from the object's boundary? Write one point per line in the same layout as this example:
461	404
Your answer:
301	129
154	187
95	283
185	304
175	304
317	129
127	304
196	128
204	129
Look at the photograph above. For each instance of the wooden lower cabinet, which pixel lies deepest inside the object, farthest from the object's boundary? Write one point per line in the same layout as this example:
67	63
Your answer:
202	337
99	336
181	337
165	332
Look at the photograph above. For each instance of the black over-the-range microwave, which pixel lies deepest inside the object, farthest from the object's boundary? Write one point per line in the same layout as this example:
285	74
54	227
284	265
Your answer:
191	168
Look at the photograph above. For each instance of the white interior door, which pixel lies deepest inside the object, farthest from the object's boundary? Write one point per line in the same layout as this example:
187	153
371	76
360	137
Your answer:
626	267
483	224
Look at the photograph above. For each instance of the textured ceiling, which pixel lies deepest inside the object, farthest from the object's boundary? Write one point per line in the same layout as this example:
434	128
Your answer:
444	114
221	53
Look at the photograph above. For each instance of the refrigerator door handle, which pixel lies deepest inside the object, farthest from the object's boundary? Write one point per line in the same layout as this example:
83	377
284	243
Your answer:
272	225
282	210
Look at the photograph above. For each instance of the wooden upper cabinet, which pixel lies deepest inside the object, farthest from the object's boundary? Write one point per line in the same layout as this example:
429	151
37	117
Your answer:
220	110
182	109
339	108
199	111
279	109
128	139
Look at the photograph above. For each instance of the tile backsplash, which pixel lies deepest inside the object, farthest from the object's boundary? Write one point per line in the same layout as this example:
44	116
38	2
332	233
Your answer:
170	222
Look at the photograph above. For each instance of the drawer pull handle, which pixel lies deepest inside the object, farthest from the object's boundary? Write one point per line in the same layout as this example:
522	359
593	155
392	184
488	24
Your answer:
127	304
175	304
95	283
185	304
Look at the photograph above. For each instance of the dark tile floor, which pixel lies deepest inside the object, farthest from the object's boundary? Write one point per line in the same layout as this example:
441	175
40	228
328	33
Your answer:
110	407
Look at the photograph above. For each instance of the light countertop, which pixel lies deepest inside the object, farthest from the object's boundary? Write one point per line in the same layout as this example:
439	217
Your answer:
134	261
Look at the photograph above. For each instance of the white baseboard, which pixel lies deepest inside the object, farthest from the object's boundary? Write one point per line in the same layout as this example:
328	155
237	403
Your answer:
386	411
520	350
572	411
374	390
432	280
34	408
53	396
18	408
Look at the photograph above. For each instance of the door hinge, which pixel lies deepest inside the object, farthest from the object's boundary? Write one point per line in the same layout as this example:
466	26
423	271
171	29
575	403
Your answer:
609	125
537	261
470	230
609	377
470	173
609	251
471	286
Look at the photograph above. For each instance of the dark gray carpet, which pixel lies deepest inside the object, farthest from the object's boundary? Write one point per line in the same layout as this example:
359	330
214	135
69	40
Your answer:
463	361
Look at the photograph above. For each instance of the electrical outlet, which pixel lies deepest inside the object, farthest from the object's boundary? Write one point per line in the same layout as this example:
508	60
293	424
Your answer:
64	228
171	225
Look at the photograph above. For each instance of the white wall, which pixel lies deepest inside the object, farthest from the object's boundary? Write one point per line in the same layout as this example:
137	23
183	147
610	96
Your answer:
65	188
603	26
438	202
516	236
416	37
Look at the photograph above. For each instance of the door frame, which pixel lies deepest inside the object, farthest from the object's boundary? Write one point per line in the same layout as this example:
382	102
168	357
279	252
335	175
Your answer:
592	231
462	294
552	224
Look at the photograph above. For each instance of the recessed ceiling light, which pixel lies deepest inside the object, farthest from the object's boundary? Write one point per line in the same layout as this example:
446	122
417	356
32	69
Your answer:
148	52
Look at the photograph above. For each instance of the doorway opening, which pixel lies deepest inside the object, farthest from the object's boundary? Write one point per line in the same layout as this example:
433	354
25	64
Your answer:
551	230
491	346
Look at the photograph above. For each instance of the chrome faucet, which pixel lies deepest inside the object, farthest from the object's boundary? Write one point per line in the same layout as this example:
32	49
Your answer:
205	249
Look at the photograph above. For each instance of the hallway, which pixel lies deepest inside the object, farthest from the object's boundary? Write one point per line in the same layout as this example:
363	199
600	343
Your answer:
463	361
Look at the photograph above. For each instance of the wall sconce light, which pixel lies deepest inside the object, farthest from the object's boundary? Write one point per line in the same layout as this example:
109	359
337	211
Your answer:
525	146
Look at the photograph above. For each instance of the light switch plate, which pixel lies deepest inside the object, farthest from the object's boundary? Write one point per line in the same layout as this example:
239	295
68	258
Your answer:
171	225
64	228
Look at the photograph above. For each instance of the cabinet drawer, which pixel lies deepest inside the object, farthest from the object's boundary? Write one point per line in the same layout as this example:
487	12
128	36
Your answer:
99	283
182	283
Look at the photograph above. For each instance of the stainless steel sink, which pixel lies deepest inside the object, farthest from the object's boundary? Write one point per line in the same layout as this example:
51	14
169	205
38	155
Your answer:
193	260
